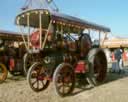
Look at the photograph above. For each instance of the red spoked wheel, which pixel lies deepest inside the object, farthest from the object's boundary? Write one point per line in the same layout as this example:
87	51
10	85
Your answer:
38	77
64	79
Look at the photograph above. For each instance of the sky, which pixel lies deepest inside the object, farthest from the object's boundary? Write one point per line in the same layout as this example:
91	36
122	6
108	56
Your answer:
110	13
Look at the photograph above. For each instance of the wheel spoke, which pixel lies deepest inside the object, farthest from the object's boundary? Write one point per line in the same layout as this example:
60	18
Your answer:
60	86
42	83
33	83
42	71
37	84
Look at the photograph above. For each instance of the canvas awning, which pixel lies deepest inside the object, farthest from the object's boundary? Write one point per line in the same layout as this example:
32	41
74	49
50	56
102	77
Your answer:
63	19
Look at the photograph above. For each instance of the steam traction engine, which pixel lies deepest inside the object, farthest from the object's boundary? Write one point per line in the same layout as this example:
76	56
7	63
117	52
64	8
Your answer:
60	51
11	54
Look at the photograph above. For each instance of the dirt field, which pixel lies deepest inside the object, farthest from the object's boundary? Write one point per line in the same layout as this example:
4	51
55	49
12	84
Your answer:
16	89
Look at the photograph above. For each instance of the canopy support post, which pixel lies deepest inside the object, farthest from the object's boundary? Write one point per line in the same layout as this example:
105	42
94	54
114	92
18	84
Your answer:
61	29
104	39
28	24
40	26
46	36
89	32
23	37
99	38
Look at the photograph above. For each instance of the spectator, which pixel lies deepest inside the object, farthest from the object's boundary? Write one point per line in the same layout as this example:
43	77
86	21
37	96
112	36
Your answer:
118	57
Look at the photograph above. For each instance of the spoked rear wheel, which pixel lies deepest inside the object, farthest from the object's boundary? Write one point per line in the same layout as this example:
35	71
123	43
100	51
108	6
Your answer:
98	66
64	79
37	77
3	72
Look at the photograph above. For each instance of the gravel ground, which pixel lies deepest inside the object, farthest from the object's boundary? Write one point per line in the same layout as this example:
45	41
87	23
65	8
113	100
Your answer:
16	89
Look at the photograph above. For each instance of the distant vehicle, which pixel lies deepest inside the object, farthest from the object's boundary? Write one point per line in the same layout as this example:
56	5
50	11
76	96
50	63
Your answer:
12	51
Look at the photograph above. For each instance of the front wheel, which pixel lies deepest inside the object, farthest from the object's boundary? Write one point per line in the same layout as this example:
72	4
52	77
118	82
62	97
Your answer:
64	79
37	77
3	72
